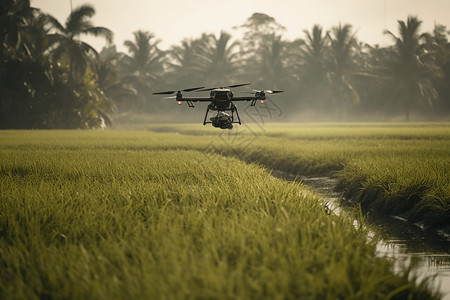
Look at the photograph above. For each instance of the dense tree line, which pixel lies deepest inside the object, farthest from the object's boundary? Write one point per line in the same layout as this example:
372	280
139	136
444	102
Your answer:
50	78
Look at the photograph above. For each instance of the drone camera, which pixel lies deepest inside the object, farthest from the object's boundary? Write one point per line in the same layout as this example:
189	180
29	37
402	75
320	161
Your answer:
222	121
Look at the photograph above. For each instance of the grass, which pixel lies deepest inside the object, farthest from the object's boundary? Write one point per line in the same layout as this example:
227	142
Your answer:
413	185
389	168
90	214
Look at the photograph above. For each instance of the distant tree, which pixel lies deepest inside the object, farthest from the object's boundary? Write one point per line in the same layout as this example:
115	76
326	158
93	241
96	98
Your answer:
314	52
312	67
256	29
38	93
67	43
109	81
410	66
273	72
143	66
13	16
26	74
218	59
34	39
438	47
369	80
85	104
341	66
183	65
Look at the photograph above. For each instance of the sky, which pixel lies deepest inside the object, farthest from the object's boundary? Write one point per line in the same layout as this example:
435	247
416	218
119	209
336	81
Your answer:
171	21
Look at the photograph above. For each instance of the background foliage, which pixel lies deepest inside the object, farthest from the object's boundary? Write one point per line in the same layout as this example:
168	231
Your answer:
51	78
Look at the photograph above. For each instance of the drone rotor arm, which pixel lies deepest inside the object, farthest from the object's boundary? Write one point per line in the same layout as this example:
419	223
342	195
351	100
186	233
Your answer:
196	99
243	98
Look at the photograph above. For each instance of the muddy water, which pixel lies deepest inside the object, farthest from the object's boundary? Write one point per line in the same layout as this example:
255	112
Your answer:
403	244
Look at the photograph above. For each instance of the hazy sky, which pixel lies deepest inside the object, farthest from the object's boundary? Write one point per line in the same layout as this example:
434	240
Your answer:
173	20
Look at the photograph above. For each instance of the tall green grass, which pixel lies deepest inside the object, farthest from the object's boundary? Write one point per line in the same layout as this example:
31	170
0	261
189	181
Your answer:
390	168
141	215
413	185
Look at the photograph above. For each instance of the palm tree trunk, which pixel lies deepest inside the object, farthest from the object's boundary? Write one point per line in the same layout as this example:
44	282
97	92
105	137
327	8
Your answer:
71	72
407	98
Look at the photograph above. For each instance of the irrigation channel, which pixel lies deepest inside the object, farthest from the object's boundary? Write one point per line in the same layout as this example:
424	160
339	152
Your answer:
403	243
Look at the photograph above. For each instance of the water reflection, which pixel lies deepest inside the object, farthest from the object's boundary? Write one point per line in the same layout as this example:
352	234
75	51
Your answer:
404	244
427	264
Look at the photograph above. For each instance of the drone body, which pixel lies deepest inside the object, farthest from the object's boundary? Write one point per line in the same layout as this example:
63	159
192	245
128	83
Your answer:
221	100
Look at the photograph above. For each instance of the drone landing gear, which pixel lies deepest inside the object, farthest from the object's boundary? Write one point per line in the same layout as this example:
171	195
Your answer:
222	119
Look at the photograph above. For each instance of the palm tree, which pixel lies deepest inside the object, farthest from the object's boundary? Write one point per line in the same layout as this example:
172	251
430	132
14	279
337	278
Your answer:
34	39
409	66
13	18
271	63
67	44
218	59
25	73
342	65
184	60
257	28
369	78
439	47
312	70
108	78
144	65
314	51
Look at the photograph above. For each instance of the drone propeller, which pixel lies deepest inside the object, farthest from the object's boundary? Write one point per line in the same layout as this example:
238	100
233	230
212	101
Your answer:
268	91
228	86
173	92
237	85
264	91
204	90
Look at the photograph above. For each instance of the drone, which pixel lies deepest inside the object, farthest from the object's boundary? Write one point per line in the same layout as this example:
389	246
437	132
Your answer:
221	99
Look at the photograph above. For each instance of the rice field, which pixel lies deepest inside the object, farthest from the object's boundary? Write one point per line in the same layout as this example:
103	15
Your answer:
197	215
388	168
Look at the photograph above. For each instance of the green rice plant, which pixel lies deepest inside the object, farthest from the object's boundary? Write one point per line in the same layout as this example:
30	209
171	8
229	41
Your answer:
396	186
407	171
390	168
93	214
